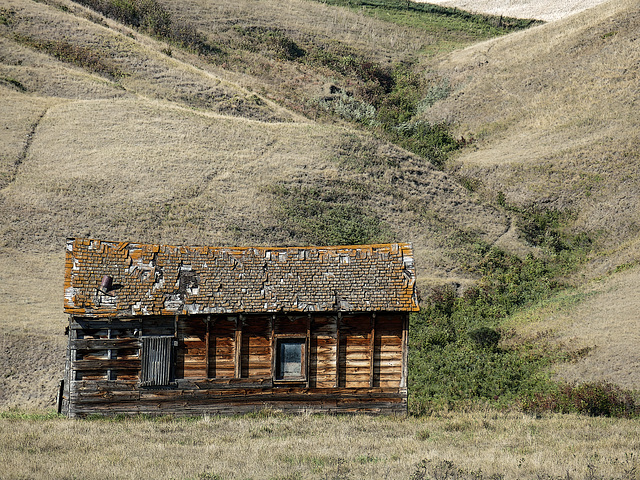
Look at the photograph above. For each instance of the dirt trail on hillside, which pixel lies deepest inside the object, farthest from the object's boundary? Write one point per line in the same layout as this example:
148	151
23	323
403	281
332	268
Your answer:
547	10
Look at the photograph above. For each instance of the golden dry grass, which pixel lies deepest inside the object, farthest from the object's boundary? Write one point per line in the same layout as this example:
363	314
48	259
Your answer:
601	316
553	110
511	445
175	151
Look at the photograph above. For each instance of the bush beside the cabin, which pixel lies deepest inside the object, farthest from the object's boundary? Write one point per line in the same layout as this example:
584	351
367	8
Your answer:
461	354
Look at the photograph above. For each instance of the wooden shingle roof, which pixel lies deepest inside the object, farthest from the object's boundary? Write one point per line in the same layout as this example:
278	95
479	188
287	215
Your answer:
163	280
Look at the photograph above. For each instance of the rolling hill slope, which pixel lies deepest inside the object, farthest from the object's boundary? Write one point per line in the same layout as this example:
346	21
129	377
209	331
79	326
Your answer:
110	133
106	133
554	113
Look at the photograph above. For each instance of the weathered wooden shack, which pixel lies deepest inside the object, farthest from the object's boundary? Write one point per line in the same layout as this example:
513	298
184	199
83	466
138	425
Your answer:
159	329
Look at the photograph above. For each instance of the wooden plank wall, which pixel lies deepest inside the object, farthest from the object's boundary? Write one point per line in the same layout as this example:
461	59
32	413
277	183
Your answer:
388	356
110	398
222	347
191	361
256	347
355	358
322	368
358	353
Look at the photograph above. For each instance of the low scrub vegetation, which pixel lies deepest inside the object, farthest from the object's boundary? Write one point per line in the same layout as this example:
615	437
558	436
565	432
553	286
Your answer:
461	354
329	217
455	354
600	399
152	18
84	57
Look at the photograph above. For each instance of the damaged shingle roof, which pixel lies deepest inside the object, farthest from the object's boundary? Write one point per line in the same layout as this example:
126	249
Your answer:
163	280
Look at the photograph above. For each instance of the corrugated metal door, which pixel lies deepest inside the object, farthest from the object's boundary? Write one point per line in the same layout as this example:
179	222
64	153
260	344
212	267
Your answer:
157	361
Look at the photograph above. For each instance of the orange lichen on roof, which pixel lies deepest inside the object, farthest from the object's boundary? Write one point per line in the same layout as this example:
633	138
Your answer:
164	279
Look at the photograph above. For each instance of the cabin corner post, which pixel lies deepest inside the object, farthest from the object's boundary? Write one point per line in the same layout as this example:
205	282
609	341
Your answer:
64	402
237	354
405	352
372	351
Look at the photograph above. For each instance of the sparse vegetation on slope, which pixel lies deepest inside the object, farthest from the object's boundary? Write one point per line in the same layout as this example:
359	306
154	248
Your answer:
67	52
151	17
382	95
552	125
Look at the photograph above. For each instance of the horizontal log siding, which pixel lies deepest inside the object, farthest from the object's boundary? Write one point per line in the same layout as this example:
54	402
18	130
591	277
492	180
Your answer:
199	370
322	371
191	361
354	351
388	351
256	348
222	347
112	398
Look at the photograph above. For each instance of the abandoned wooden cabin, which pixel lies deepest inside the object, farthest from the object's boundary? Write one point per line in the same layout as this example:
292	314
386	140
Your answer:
180	330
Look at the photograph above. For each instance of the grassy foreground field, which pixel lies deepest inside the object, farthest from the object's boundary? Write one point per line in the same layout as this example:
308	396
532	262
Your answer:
155	143
475	445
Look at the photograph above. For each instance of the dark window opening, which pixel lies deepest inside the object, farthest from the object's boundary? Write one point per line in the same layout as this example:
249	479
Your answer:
291	359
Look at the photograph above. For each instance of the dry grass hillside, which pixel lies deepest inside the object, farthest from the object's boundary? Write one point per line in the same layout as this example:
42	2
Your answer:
553	111
554	114
109	133
154	145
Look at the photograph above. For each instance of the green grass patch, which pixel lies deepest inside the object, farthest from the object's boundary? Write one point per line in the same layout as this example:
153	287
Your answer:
451	22
333	216
14	414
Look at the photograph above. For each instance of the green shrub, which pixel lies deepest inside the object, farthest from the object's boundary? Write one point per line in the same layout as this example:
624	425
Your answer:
7	16
436	92
270	41
455	351
431	141
328	217
151	17
596	399
350	108
485	337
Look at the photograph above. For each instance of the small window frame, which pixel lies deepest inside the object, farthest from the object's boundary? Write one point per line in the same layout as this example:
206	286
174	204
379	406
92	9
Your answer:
278	376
